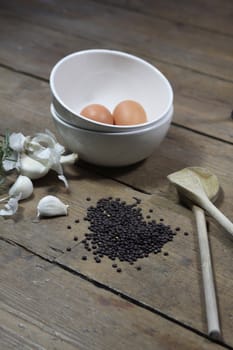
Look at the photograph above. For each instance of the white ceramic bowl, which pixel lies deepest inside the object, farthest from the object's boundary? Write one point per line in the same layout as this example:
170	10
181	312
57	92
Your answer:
112	149
108	77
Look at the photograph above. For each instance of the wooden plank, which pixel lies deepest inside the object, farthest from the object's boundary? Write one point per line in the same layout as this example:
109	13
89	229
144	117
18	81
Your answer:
20	331
161	276
180	149
214	15
201	103
21	109
187	46
45	307
140	177
40	41
34	49
169	282
51	237
206	109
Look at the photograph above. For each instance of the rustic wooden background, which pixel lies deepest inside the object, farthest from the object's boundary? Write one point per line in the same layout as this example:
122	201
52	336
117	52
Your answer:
50	298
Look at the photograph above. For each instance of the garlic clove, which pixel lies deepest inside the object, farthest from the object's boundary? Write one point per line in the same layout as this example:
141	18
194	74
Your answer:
32	168
23	185
51	206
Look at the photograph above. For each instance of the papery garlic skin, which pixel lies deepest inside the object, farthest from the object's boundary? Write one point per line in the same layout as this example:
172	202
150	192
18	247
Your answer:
11	207
44	148
10	163
51	206
34	156
69	158
16	141
23	185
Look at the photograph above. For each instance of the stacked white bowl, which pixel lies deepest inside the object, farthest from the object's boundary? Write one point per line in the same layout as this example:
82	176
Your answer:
108	77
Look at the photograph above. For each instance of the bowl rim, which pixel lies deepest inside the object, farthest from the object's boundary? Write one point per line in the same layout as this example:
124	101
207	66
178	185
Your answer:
103	133
114	52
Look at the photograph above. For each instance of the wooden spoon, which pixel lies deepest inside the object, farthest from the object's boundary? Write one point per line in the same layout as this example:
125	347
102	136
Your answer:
196	183
211	186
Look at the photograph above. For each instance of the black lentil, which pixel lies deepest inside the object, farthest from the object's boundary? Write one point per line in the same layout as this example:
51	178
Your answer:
119	231
75	238
68	249
88	199
97	259
118	269
76	221
69	227
186	233
84	257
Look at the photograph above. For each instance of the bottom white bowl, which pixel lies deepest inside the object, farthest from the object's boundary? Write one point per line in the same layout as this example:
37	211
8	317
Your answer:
112	149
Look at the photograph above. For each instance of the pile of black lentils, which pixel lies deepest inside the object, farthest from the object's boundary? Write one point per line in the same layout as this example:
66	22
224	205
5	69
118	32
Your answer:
119	231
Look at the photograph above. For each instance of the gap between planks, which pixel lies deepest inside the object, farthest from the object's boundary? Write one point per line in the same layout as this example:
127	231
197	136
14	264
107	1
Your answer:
117	293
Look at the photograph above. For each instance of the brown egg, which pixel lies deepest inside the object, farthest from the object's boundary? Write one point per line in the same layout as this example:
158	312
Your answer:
129	112
98	113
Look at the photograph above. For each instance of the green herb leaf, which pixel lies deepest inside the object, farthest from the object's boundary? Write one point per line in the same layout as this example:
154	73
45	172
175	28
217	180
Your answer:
5	152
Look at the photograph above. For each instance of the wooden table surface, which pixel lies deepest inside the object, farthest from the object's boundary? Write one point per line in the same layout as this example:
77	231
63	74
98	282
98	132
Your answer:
51	298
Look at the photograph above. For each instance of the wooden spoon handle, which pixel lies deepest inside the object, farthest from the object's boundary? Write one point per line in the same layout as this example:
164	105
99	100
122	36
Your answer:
218	216
207	275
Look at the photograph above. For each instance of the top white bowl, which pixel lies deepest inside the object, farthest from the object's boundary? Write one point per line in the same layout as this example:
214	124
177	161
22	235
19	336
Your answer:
108	77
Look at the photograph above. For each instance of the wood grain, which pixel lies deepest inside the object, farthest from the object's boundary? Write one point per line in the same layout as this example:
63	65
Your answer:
185	45
51	237
45	307
160	276
211	15
50	297
201	109
181	148
177	276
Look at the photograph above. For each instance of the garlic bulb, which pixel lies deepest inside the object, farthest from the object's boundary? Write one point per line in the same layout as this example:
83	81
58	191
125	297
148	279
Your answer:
51	206
22	186
34	156
39	154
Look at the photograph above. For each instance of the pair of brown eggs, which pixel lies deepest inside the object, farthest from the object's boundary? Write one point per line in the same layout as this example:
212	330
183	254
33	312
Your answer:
127	112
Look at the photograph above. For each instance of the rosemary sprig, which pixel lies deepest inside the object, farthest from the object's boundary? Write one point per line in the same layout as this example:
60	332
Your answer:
5	152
